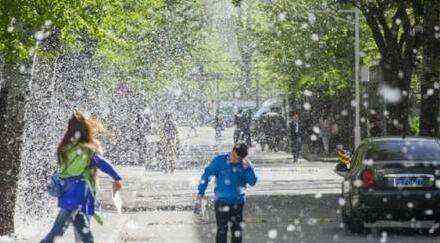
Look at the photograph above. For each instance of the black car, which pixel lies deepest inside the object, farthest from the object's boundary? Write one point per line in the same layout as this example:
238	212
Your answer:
391	179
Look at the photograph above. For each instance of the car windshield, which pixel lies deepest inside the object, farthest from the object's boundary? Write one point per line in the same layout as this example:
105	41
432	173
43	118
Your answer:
404	150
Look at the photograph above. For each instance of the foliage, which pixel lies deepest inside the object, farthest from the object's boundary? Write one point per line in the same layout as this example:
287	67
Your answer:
236	2
398	34
414	125
132	39
309	45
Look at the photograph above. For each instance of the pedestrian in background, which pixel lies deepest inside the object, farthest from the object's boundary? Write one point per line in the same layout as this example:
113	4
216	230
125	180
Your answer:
168	144
144	127
219	126
232	172
242	133
194	123
238	125
262	131
78	160
247	120
296	132
325	134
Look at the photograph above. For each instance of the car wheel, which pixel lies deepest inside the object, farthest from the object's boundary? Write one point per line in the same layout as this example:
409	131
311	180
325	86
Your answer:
436	229
351	224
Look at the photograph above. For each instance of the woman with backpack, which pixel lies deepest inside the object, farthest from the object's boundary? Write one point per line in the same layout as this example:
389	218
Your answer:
78	160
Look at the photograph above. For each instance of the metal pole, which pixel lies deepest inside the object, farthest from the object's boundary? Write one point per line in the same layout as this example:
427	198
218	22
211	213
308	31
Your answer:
218	96
258	92
357	129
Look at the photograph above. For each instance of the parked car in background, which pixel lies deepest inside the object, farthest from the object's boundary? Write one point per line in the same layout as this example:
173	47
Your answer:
391	179
269	105
269	126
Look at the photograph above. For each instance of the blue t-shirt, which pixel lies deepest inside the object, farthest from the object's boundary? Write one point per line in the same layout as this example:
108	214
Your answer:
231	179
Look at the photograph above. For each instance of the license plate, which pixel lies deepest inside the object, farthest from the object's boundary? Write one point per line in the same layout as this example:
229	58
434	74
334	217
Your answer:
413	182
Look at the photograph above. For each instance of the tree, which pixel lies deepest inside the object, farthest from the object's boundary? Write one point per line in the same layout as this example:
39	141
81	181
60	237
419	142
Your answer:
429	83
245	43
308	49
149	44
397	34
11	124
13	47
40	29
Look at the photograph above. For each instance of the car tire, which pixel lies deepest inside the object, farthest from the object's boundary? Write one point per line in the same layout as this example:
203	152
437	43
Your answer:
355	226
436	232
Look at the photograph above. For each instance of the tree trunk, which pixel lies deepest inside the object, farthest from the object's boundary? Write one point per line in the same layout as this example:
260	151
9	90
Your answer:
397	75
11	123
430	80
292	99
246	51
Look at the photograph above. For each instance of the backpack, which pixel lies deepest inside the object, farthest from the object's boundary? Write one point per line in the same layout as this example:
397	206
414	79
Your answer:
77	169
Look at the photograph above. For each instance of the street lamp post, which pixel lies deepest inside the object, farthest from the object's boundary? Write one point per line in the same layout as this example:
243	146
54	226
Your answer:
258	92
357	128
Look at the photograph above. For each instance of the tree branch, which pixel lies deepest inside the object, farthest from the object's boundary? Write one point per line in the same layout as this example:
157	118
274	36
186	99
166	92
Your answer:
380	14
397	15
409	41
406	25
418	6
375	28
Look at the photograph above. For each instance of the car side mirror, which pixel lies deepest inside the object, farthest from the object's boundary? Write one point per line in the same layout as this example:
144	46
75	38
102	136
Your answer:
341	170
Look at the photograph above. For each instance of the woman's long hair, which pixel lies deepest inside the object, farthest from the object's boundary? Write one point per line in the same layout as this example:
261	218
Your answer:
81	129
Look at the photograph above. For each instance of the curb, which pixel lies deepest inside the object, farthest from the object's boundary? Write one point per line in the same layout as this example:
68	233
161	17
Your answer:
312	157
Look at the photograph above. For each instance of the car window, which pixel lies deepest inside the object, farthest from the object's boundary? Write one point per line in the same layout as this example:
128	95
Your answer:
401	150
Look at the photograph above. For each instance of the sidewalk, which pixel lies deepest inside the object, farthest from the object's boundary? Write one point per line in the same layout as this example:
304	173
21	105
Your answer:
328	159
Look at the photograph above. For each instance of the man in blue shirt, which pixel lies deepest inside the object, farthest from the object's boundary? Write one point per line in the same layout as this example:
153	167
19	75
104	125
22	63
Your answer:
232	173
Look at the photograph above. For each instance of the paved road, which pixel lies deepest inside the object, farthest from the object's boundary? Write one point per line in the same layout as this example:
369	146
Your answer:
294	218
295	203
149	190
281	219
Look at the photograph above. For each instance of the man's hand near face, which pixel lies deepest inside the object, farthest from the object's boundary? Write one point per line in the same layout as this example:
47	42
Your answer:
245	163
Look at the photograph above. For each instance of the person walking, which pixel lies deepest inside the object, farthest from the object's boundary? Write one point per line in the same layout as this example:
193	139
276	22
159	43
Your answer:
143	130
232	172
325	135
218	126
168	144
296	136
247	120
78	160
239	126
